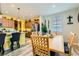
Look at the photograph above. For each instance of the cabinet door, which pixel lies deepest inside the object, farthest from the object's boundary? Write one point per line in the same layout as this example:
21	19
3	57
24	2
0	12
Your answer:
16	25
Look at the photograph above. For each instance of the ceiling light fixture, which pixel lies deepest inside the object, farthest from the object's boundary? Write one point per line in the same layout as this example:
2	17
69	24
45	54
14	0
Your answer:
12	5
18	15
0	11
53	5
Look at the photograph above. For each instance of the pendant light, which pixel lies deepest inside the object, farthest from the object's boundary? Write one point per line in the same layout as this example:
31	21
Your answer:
0	11
18	9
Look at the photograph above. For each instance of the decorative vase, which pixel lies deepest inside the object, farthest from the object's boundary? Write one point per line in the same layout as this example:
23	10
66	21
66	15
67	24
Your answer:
43	33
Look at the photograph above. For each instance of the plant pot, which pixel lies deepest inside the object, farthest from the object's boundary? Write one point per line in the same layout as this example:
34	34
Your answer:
43	33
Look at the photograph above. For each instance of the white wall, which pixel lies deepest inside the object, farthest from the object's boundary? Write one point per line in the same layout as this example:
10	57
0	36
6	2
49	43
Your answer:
65	27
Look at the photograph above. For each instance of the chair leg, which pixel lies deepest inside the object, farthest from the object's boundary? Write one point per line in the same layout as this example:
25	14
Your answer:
18	45
11	47
52	53
2	50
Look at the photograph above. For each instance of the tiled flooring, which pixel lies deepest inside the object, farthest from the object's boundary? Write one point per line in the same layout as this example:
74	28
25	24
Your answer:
24	51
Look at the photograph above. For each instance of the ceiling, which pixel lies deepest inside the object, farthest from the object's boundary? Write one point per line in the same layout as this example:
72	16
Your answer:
35	9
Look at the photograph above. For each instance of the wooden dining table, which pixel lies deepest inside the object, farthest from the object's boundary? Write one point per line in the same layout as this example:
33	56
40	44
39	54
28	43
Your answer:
56	44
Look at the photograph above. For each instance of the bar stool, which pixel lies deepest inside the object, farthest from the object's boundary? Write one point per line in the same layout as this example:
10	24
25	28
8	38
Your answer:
2	40
15	38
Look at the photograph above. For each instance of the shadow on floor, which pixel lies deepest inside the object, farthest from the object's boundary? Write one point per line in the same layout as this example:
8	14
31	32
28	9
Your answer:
8	51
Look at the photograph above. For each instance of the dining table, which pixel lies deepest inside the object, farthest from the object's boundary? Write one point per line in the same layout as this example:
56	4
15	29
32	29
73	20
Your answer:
56	44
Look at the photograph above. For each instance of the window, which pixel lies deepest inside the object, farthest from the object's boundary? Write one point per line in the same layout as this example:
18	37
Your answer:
56	24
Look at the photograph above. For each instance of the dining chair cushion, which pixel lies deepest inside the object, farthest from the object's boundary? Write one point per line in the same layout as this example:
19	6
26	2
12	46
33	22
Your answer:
15	36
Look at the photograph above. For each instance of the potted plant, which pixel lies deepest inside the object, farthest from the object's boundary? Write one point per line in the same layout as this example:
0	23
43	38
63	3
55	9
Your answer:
44	29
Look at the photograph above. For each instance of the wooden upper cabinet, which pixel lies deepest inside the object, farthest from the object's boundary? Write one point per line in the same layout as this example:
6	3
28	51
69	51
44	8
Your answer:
28	25
7	23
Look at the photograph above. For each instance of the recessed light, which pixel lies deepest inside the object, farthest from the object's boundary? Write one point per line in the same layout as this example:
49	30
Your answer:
53	5
12	5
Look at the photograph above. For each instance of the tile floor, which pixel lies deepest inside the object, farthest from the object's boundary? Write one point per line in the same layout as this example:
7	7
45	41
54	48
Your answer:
24	51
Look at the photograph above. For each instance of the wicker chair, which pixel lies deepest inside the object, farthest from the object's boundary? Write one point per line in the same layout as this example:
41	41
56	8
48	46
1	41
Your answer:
71	40
40	46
